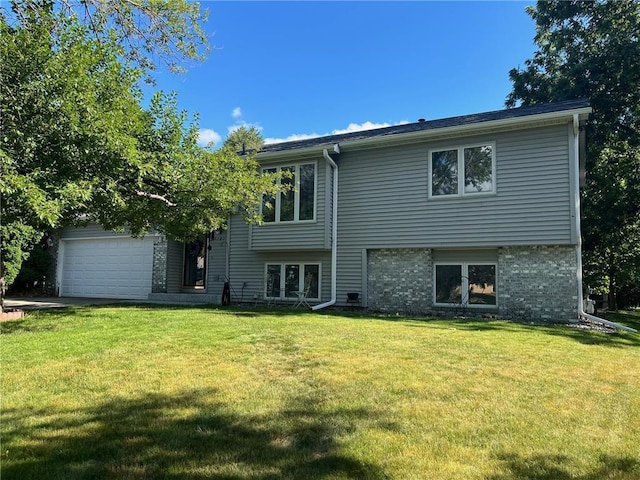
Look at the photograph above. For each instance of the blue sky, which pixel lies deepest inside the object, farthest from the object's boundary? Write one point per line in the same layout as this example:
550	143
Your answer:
298	69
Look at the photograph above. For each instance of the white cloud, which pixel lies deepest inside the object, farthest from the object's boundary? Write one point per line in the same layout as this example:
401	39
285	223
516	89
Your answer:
291	138
352	127
207	136
355	127
237	112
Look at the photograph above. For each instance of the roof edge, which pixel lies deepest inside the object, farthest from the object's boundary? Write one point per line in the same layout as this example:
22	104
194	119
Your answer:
520	116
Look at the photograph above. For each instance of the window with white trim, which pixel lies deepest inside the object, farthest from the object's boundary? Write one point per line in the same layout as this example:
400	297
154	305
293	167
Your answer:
469	284
460	171
297	203
286	280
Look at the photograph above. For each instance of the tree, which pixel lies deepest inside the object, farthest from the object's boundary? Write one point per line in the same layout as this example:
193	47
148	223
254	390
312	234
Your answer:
60	120
76	145
147	31
178	187
244	140
589	50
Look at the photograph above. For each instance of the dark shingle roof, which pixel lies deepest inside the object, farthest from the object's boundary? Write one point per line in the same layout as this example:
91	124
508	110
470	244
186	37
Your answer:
430	125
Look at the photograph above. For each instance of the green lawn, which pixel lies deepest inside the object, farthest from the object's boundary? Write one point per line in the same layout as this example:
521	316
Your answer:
198	393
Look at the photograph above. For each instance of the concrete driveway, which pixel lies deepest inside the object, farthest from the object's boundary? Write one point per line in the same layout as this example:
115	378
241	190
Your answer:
30	303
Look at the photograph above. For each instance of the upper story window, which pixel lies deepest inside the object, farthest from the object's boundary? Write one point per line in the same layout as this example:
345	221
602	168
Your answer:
298	202
462	171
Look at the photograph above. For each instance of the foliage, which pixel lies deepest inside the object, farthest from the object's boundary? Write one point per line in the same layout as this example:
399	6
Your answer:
590	50
244	140
67	109
34	270
147	31
179	188
629	297
77	146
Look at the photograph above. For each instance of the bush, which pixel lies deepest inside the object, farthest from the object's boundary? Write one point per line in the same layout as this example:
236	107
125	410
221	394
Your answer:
629	297
34	270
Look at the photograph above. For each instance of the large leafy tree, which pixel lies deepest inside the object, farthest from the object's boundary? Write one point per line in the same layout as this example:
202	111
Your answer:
590	49
76	144
245	139
150	32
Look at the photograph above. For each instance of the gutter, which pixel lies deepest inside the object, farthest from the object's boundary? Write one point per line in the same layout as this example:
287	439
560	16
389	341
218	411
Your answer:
334	230
391	139
576	172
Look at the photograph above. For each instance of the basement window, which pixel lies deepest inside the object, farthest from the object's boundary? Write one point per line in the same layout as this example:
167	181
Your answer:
466	284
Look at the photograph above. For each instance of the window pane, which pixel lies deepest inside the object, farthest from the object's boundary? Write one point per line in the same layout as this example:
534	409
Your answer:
307	185
195	260
292	280
448	283
444	172
482	281
273	281
312	280
478	169
287	198
268	202
268	208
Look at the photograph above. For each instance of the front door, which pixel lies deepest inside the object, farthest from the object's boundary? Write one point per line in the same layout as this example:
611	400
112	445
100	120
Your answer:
195	263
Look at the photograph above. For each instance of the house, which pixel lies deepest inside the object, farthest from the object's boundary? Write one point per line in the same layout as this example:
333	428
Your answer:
477	214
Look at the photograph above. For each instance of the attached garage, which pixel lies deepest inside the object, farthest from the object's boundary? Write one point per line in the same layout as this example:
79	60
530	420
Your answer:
109	266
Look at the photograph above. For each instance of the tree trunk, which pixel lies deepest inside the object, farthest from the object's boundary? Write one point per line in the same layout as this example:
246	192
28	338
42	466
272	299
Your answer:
2	290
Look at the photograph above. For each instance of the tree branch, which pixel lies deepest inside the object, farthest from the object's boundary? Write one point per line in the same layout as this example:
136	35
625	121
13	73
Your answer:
153	196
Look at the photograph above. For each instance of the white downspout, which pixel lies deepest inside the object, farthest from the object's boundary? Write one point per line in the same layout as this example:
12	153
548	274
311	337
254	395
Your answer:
334	230
576	173
227	259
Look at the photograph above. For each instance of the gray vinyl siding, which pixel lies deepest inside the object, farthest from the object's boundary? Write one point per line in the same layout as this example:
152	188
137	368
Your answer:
175	258
247	267
217	264
383	196
328	207
90	231
351	273
310	235
384	203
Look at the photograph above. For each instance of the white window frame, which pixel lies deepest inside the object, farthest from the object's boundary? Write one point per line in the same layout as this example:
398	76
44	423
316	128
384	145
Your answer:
465	284
283	267
461	173
296	190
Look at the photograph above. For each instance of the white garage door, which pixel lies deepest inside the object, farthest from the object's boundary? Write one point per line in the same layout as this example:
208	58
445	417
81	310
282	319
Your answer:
107	268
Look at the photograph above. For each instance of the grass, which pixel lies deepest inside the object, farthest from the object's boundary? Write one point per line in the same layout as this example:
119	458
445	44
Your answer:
151	392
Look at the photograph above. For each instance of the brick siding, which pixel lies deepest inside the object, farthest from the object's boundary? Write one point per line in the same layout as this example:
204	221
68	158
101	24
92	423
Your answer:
159	273
533	284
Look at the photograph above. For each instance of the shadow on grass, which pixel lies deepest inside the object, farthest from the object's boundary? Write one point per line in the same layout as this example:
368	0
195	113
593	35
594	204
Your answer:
25	326
559	467
584	336
187	436
35	321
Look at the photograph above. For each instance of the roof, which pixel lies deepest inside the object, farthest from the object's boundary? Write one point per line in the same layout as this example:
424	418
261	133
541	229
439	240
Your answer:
475	118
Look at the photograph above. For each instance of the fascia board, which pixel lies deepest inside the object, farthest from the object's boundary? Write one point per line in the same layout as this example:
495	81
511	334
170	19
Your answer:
310	152
505	124
491	126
